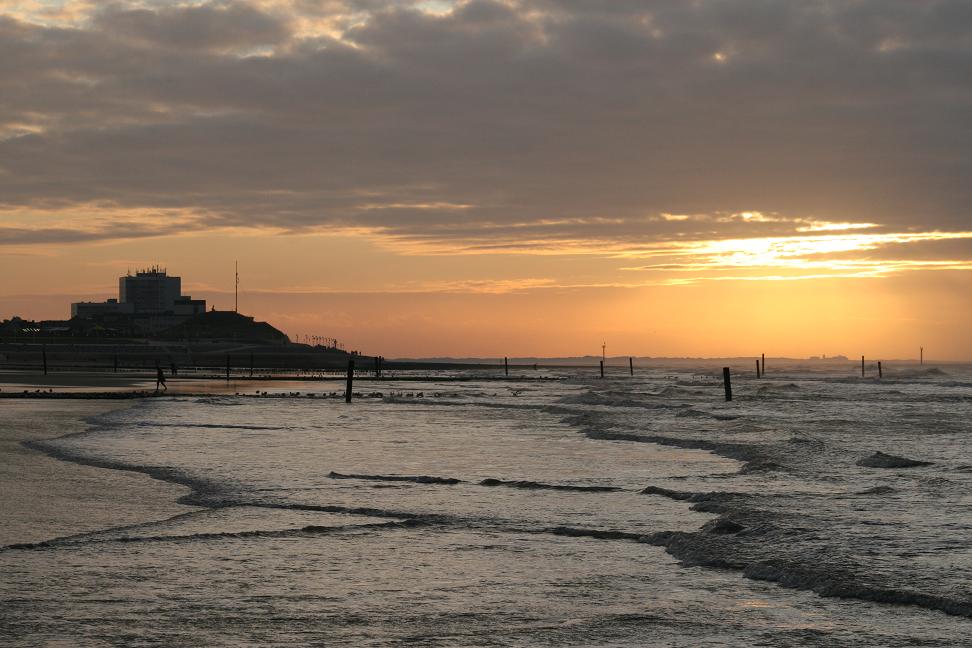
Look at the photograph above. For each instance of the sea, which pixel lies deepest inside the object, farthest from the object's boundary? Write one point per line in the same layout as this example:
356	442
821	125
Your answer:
553	508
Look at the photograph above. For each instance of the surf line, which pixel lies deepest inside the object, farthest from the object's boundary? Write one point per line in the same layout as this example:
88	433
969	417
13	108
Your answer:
451	481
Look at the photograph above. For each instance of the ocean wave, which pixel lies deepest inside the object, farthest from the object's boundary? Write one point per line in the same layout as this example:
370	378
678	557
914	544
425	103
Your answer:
709	502
679	389
780	390
833	585
309	530
743	544
607	399
784	387
489	482
954	383
753	456
532	485
204	492
416	479
882	460
877	490
722	526
691	413
599	534
702	382
760	465
208	426
917	372
367	511
683	496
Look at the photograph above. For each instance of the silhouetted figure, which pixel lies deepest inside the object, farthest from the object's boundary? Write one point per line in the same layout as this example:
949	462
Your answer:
174	369
160	379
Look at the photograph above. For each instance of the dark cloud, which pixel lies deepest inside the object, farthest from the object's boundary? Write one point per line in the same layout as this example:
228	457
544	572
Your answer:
205	27
12	235
568	120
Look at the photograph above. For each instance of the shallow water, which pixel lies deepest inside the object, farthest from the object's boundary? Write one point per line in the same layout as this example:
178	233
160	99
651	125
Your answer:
512	513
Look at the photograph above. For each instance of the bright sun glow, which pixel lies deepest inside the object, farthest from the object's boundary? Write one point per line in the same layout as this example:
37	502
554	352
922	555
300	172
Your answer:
801	257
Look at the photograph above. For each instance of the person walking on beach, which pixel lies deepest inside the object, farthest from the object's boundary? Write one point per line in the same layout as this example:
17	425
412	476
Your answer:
160	379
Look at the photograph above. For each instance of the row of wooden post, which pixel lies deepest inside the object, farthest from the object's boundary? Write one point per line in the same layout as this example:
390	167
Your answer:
379	362
630	366
727	375
880	369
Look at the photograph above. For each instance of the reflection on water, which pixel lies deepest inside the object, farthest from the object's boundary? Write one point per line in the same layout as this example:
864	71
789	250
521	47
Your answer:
485	513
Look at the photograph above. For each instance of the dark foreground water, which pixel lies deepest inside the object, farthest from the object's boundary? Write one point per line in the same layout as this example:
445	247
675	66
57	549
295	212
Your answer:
625	511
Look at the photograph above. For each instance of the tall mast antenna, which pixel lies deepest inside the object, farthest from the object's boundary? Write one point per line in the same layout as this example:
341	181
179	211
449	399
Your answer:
236	293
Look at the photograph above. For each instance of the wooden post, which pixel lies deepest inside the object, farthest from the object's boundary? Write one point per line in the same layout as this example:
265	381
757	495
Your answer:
758	374
350	385
764	365
922	357
880	370
227	367
631	365
506	365
251	365
862	366
727	383
602	368
44	357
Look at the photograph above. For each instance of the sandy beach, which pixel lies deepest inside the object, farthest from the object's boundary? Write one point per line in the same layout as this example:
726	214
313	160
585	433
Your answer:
45	498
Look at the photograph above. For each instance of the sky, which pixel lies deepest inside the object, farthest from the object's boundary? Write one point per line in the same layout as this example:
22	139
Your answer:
489	178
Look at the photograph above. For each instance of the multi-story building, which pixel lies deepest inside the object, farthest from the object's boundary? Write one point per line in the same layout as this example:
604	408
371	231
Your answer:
150	292
87	310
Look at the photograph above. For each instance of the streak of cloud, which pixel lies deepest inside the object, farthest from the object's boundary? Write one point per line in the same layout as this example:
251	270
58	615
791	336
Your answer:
696	132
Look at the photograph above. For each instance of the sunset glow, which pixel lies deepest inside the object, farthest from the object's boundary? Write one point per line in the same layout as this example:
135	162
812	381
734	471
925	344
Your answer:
524	157
513	323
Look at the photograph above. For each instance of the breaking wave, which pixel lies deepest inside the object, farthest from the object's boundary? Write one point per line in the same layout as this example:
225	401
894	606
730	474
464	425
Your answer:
415	479
309	530
599	534
877	490
490	482
607	399
208	426
532	485
882	460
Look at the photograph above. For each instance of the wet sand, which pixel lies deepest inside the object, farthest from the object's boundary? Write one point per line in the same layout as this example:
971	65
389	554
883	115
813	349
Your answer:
45	498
